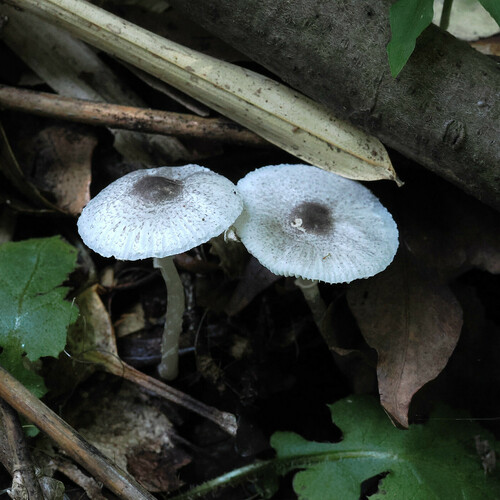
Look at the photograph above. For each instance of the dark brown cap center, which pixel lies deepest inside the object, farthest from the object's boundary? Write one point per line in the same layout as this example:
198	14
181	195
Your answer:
156	189
311	217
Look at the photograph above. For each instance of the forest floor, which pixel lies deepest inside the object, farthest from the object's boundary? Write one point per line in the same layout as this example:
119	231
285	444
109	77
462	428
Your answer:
249	345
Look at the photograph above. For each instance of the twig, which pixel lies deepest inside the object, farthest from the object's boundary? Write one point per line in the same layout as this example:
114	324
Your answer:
88	484
114	365
19	462
126	117
22	400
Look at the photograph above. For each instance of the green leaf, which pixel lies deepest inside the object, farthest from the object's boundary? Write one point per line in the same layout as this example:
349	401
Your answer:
33	313
432	461
408	19
493	7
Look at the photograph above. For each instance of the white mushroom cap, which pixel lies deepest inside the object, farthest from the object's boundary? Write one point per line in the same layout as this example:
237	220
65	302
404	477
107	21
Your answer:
159	212
303	221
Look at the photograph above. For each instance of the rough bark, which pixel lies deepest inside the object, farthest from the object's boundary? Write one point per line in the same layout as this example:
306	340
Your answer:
443	110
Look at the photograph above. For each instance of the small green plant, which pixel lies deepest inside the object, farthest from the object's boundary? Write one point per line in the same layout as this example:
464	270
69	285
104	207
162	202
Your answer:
34	316
435	460
409	18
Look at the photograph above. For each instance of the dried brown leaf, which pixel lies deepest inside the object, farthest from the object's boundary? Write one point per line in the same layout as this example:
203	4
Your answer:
255	280
157	471
489	46
72	69
131	321
93	329
353	357
10	168
52	168
414	324
453	233
63	166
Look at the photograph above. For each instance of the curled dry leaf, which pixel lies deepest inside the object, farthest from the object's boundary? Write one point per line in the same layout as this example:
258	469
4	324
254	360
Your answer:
255	280
62	164
353	357
10	168
489	46
413	323
281	115
133	320
53	168
92	331
452	233
73	69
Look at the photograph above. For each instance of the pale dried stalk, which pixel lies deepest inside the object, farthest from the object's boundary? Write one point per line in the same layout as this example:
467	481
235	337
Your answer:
279	114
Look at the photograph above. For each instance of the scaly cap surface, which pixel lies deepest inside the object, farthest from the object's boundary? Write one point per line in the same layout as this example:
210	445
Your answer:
159	212
302	221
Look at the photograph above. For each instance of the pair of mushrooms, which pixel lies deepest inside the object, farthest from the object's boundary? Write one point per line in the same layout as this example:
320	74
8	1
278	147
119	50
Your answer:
297	220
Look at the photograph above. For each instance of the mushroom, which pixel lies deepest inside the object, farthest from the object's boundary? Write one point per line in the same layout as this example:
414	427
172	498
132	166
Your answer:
161	212
302	221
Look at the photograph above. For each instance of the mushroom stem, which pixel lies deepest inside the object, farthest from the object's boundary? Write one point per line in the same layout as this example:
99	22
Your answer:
169	364
310	290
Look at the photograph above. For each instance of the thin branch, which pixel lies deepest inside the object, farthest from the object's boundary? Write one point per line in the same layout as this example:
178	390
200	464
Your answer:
22	400
112	364
87	483
126	117
18	461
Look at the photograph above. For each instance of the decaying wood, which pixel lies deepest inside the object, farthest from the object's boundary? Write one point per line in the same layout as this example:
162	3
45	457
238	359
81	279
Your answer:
443	110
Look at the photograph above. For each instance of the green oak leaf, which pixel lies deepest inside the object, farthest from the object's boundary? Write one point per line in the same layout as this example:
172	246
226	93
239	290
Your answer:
433	461
34	316
408	19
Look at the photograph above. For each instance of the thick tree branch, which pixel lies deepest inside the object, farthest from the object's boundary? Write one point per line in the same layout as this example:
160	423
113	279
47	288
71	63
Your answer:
443	110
